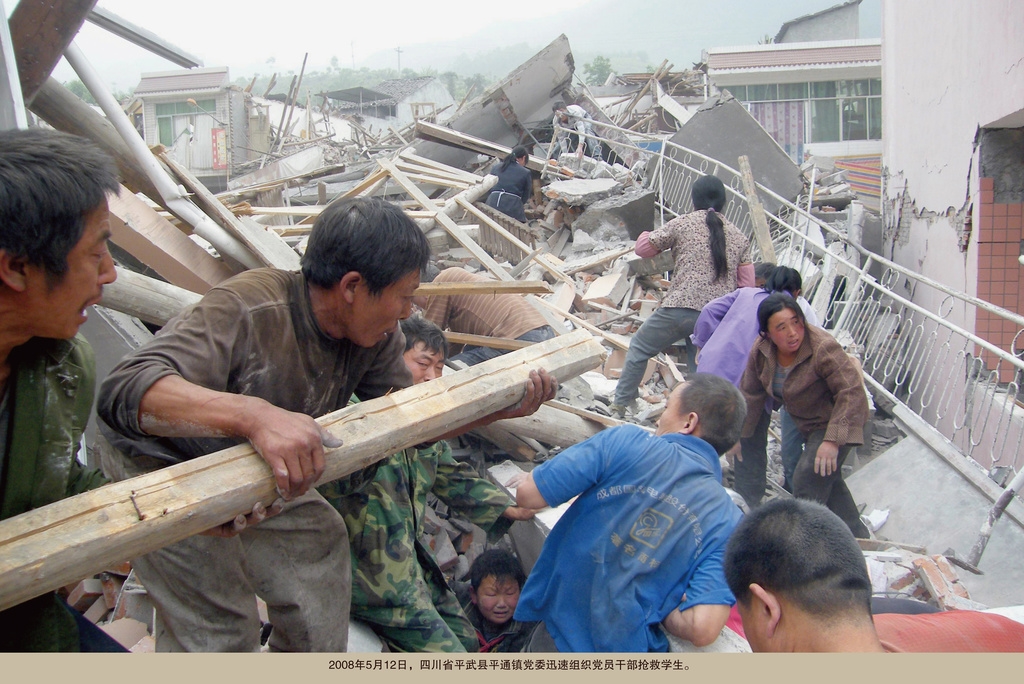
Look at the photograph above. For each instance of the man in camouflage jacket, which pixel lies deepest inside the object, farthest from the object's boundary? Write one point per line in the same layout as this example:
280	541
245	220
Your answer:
397	587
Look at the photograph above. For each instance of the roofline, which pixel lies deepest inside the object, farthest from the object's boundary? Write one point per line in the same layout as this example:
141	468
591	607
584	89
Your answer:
183	72
178	91
809	45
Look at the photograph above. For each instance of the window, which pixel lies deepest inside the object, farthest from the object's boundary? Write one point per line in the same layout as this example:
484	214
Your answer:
173	117
834	111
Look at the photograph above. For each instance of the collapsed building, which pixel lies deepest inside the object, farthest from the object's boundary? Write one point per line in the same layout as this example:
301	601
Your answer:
947	412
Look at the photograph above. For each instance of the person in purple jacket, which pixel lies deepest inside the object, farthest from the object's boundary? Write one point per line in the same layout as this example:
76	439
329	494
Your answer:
726	330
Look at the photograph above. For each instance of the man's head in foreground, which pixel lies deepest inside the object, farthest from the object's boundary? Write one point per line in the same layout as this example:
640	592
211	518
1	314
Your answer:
496	580
362	264
800	580
425	348
708	407
54	227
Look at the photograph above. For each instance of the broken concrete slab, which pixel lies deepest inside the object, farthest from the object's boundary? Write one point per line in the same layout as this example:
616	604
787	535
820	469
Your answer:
526	94
583	192
619	217
723	129
946	511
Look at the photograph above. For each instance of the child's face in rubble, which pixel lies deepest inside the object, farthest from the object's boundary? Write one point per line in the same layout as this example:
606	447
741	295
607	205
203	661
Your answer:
496	599
424	364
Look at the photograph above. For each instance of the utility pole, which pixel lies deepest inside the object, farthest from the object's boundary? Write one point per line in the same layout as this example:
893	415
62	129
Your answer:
399	51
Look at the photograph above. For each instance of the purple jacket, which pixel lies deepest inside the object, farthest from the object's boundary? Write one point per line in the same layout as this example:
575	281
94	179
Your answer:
726	330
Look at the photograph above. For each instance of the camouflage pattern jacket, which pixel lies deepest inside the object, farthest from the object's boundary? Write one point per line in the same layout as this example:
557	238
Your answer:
392	568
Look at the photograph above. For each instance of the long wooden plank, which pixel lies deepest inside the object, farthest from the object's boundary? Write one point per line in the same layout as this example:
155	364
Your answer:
267	245
485	341
148	299
615	340
492	287
542	260
757	217
446	222
139	230
41	30
51	546
425	129
410	156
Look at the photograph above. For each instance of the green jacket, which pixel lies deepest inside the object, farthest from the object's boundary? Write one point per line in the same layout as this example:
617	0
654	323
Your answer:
52	384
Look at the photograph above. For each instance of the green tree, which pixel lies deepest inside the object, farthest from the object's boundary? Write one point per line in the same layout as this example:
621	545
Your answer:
79	90
597	72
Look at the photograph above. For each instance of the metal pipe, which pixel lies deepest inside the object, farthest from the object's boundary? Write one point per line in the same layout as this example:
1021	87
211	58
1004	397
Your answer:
174	197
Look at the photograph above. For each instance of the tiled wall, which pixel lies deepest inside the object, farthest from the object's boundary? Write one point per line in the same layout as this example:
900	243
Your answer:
1000	274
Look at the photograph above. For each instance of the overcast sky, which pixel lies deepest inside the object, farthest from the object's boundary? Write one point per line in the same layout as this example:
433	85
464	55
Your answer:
245	35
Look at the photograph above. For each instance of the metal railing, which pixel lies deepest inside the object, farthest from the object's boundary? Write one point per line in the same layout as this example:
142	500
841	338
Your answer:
912	333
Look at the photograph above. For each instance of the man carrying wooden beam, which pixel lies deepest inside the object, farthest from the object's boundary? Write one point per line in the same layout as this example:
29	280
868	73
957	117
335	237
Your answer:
500	316
54	227
256	359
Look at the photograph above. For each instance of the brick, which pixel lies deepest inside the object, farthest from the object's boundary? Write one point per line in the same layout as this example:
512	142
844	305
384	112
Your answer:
609	290
83	595
126	632
444	552
96	611
123	568
111	588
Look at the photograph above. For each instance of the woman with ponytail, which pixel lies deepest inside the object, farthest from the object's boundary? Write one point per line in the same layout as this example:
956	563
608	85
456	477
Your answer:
514	186
710	261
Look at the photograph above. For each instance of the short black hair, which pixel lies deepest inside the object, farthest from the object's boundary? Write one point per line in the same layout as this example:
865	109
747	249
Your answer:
497	563
49	181
802	551
558	104
784	279
419	329
720	407
369	236
773	304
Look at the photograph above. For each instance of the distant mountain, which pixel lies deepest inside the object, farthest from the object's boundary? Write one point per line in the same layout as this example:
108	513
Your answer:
633	35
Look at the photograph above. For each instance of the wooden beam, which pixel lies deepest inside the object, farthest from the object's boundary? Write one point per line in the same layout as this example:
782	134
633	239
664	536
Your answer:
615	340
494	287
153	240
541	260
757	216
446	222
51	546
431	131
41	30
485	341
597	260
265	244
148	299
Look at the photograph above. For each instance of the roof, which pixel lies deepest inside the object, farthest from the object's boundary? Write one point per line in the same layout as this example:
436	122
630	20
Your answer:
792	22
384	94
401	88
838	52
183	80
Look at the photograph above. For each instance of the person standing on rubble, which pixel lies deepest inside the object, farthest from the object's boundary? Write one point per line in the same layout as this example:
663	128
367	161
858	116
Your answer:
514	186
398	589
255	360
54	227
581	124
803	368
711	260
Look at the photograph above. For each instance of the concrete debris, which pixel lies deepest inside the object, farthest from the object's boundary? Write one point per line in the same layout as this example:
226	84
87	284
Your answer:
581	192
621	217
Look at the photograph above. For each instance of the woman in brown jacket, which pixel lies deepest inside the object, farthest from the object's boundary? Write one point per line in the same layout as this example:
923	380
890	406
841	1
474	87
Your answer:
803	368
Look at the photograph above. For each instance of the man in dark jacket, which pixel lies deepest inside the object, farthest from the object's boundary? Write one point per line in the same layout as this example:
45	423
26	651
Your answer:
54	226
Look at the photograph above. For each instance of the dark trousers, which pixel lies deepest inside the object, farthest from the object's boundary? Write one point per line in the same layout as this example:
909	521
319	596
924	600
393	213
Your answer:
829	490
750	474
